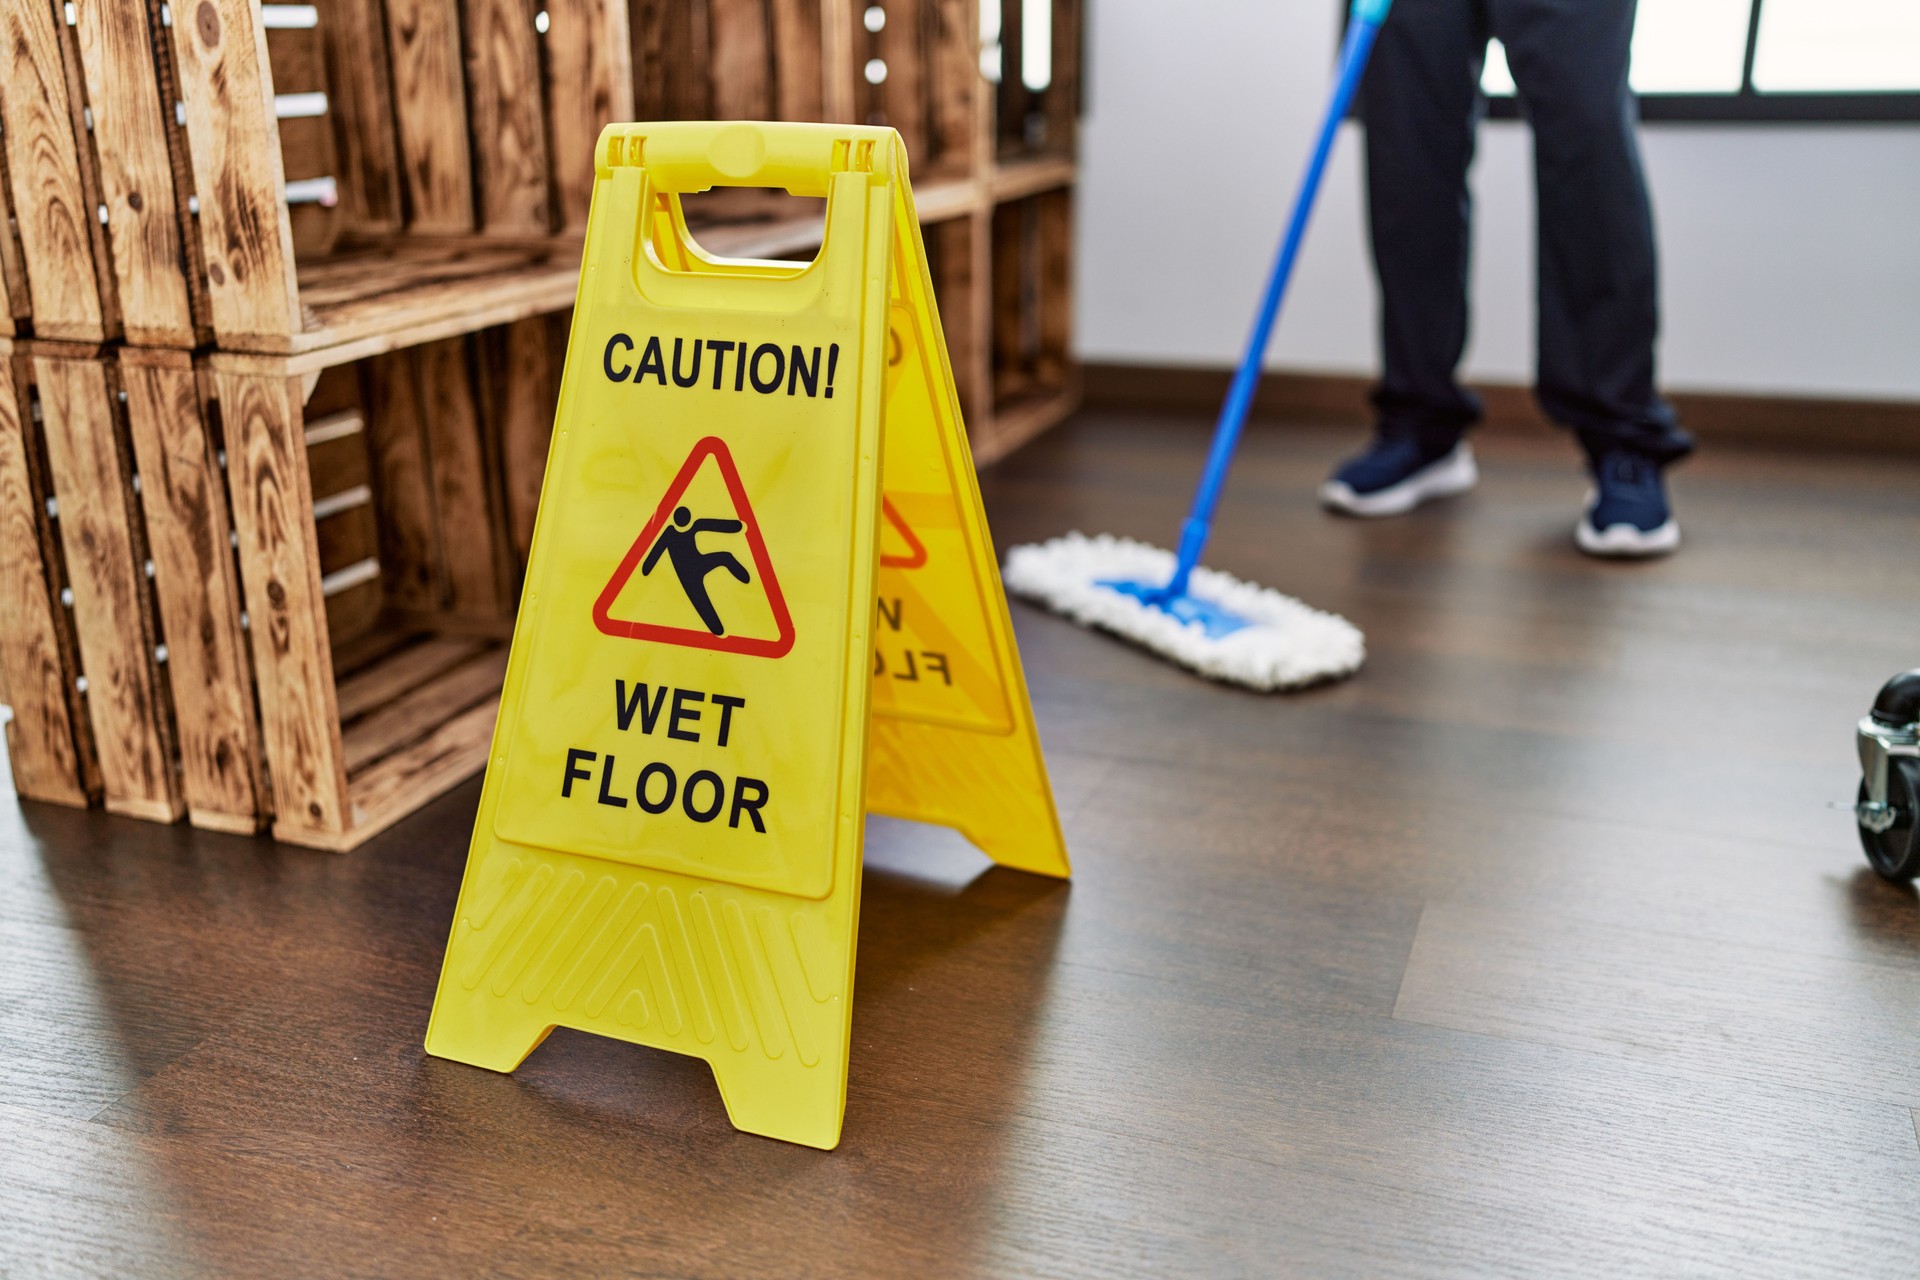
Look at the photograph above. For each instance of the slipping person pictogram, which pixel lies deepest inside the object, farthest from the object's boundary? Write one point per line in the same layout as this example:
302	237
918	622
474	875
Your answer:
673	532
680	543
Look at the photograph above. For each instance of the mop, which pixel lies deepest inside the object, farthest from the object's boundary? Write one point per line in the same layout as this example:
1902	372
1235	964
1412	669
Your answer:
1200	618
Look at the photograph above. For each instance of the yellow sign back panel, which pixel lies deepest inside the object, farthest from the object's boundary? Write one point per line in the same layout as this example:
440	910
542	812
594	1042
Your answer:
668	844
953	739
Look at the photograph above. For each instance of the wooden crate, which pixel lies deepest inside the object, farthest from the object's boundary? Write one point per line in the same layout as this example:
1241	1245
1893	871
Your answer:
95	179
977	147
1033	373
50	737
383	511
443	188
96	569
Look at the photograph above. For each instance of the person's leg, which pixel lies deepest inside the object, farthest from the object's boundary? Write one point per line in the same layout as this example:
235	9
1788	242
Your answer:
1598	281
1420	103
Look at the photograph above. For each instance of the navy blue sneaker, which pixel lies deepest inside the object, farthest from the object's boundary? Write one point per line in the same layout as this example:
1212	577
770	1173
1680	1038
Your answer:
1628	513
1397	473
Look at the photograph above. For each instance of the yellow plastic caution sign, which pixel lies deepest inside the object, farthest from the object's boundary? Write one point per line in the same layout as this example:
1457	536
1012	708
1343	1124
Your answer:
733	641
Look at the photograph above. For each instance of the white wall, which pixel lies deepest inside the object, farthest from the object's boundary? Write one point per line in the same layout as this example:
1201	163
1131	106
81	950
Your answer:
1790	257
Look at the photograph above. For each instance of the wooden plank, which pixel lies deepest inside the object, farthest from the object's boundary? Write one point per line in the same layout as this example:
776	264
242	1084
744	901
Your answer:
901	97
406	780
130	139
193	263
798	73
354	613
339	463
14	311
741	60
393	676
671	54
840	37
954	86
356	656
360	104
506	117
430	106
280	568
589	83
524	362
184	497
347	538
105	555
227	86
1011	375
472	534
55	218
48	740
1052	265
1015	423
409	551
957	262
306	142
422	710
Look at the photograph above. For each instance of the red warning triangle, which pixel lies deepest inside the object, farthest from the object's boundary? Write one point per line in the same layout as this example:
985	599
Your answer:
917	550
762	647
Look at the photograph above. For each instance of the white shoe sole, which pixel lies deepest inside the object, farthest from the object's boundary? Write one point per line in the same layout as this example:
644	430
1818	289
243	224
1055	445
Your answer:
1442	478
1624	542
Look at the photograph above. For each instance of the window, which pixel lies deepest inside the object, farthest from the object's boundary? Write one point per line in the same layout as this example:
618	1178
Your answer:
1763	60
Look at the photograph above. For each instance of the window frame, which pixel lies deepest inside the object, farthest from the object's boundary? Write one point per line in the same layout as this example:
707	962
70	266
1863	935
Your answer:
1748	105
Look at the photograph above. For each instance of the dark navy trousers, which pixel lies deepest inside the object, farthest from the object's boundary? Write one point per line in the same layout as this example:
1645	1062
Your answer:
1598	289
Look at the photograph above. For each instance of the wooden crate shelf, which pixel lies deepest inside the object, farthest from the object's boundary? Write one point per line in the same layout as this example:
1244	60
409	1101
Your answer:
100	242
415	721
272	433
383	511
88	426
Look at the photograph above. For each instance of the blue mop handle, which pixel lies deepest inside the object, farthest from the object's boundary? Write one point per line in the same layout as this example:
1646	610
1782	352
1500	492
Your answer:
1362	26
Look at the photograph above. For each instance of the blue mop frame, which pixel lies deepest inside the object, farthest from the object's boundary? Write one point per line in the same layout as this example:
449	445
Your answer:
1173	598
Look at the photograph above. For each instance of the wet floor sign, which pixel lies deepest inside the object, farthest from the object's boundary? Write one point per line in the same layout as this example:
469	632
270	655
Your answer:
761	601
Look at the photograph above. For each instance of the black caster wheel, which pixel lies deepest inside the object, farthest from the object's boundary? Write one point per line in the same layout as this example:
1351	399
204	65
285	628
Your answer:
1894	849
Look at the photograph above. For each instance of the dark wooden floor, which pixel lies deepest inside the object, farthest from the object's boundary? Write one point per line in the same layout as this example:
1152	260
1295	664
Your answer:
1532	951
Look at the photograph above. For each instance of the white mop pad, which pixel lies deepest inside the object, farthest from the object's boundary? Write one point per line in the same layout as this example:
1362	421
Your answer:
1290	644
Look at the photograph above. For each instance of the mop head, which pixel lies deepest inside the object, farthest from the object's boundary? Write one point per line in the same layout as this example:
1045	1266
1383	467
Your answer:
1277	642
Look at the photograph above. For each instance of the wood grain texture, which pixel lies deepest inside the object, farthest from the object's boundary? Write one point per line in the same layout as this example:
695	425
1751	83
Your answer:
523	364
799	77
742	60
360	106
589	84
184	497
245	236
955	90
841	36
55	218
193	262
298	57
1577	809
1012	317
671	49
397	445
1053	287
901	99
49	741
131	143
15	311
106	554
506	116
420	710
430	106
272	503
467	507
